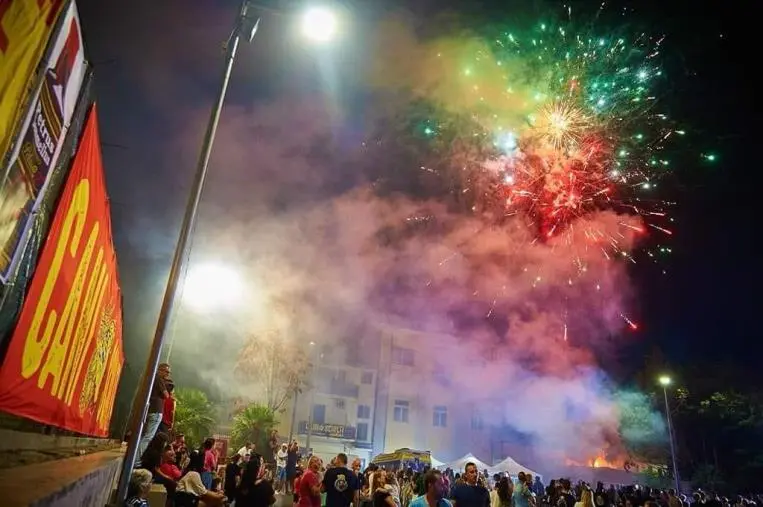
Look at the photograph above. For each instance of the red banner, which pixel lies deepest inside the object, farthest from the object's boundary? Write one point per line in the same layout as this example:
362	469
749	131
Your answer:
65	356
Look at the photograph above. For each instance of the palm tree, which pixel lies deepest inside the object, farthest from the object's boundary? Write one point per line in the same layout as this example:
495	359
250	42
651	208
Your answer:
194	416
253	424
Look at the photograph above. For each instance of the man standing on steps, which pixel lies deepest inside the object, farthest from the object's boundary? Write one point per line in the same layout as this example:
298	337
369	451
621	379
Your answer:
155	407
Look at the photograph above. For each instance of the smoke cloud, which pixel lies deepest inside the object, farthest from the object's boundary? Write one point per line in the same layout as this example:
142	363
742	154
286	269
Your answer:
325	254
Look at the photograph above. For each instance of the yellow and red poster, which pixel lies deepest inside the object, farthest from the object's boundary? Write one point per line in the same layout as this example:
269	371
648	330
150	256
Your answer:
65	356
41	135
25	27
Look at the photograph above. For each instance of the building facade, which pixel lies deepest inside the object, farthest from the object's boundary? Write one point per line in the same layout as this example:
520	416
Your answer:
389	391
419	405
336	411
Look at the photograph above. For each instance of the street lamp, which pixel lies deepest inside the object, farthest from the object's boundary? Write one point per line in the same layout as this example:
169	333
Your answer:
319	25
212	286
314	356
665	381
208	288
294	407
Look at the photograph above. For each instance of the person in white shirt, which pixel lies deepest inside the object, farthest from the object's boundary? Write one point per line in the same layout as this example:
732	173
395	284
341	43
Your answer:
190	484
246	451
281	467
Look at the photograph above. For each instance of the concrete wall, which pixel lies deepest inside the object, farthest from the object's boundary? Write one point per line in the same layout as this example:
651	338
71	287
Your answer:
85	481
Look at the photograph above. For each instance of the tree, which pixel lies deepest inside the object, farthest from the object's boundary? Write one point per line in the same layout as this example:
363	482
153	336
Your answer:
253	424
642	427
194	416
273	367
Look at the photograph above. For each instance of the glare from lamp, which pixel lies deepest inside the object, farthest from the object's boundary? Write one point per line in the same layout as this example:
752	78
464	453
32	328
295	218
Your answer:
319	24
664	380
212	286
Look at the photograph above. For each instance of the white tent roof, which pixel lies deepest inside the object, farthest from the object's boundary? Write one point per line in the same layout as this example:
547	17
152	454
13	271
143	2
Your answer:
511	467
459	464
436	463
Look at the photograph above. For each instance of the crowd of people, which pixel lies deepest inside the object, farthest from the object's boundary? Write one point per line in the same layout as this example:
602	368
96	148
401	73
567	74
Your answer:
251	481
191	479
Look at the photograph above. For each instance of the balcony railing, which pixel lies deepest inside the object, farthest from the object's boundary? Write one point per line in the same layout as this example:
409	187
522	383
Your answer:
335	387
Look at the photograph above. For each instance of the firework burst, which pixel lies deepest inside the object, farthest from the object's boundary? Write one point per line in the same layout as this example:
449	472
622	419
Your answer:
572	124
556	129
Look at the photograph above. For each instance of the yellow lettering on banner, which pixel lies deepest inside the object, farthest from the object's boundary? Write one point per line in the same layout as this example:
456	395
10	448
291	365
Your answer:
80	339
86	331
70	235
108	394
57	352
24	29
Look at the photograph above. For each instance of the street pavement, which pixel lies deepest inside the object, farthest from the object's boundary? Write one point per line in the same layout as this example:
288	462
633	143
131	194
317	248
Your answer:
283	501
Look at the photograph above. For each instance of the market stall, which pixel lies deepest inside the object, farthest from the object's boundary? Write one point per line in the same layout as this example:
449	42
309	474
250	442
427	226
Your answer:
404	458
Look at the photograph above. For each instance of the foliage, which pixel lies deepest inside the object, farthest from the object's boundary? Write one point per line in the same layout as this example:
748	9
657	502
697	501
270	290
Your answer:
274	367
194	416
720	434
708	477
654	477
717	420
253	424
642	427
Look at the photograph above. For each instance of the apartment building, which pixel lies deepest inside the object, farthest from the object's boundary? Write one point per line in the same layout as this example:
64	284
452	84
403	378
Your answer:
387	392
339	408
418	405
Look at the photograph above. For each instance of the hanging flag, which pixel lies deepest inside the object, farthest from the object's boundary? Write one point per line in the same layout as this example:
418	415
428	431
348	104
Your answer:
65	357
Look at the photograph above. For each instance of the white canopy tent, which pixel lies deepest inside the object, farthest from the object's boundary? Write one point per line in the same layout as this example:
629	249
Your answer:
459	464
511	467
436	463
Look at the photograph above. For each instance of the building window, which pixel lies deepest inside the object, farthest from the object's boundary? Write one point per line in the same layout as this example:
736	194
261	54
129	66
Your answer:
367	377
401	356
401	411
339	403
477	422
440	416
362	433
319	414
340	375
364	412
440	376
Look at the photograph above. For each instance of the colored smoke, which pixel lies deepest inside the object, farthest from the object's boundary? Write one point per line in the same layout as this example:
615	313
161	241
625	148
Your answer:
326	257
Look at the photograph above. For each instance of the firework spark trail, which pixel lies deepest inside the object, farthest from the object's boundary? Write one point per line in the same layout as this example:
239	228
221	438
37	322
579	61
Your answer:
548	127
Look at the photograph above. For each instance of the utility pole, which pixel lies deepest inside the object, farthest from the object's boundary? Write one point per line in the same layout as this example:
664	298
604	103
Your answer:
293	415
665	381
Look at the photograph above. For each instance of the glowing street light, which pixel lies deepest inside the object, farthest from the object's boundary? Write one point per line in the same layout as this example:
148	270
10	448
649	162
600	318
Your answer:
665	381
212	286
319	24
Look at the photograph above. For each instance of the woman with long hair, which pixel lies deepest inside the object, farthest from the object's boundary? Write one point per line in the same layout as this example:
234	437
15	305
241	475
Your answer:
381	495
253	490
190	488
210	462
586	498
393	487
502	495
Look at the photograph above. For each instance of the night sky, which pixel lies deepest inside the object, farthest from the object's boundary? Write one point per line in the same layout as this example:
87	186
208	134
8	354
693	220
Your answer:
157	70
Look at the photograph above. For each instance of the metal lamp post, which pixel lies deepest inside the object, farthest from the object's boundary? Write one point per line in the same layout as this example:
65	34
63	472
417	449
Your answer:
311	398
665	381
245	26
319	25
